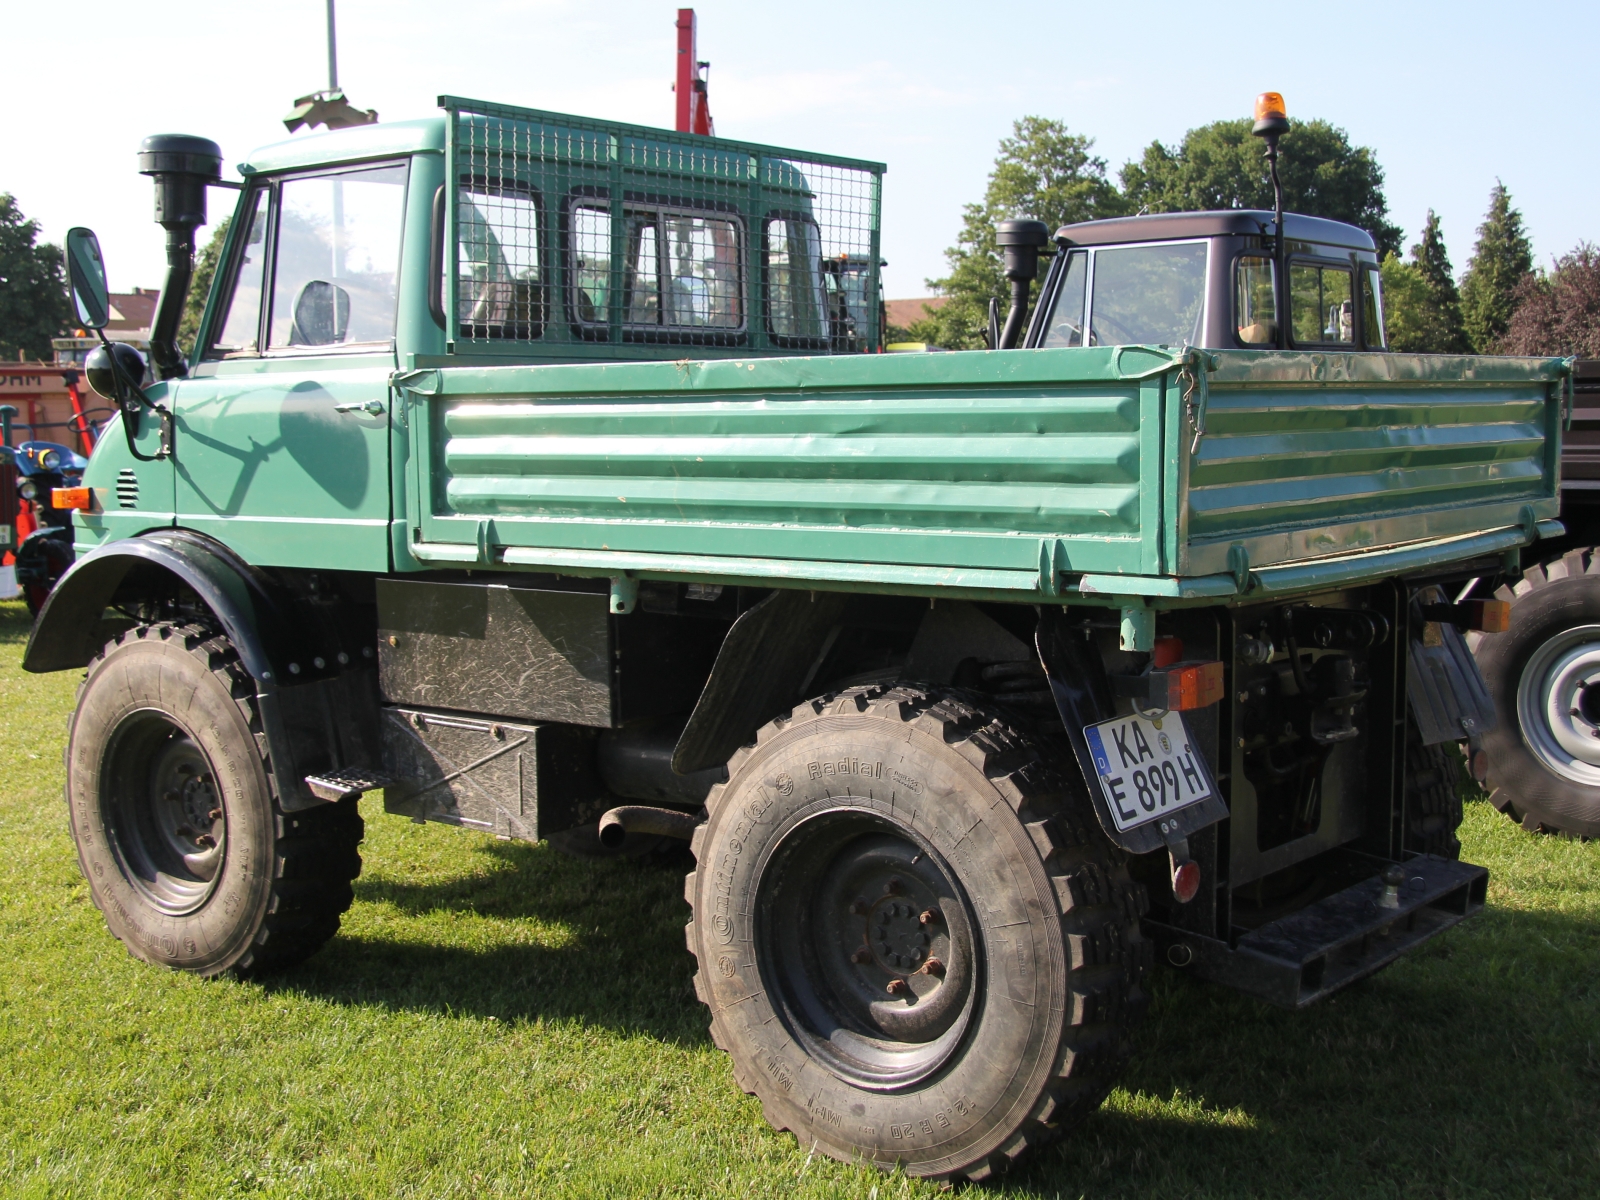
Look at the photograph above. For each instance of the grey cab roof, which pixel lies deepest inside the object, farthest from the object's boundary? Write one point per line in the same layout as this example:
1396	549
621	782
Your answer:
1161	227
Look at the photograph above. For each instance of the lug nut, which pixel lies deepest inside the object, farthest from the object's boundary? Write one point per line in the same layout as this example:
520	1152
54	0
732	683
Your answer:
893	887
861	908
896	986
861	955
931	916
932	967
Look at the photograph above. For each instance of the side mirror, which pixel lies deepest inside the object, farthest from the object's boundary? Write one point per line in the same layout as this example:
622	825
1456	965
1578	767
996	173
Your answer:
87	272
321	314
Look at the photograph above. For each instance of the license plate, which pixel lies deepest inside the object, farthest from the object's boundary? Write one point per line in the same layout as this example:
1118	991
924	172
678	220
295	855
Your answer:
1148	769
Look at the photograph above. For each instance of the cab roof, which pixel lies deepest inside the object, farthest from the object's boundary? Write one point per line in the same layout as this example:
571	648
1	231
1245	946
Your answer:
1161	227
385	140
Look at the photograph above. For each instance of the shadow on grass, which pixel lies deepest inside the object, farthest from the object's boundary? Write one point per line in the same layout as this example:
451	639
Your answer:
594	941
16	622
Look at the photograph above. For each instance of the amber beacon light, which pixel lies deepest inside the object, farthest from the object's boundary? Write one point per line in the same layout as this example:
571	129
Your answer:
1272	118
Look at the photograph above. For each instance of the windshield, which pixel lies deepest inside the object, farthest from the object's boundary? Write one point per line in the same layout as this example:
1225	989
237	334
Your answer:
1151	295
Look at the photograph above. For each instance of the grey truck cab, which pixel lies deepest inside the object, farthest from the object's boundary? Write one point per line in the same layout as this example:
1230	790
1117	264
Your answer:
1210	279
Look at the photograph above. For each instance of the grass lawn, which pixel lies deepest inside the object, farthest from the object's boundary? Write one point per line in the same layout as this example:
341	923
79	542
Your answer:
496	1020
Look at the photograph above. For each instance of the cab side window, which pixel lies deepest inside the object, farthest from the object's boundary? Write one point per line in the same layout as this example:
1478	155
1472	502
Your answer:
240	320
1321	305
1066	321
1255	303
337	258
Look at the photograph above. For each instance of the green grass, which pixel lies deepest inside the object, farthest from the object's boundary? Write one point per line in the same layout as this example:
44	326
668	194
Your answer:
495	1020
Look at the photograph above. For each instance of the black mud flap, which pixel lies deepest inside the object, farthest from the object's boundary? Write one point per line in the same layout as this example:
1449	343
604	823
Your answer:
1448	696
1083	697
1341	938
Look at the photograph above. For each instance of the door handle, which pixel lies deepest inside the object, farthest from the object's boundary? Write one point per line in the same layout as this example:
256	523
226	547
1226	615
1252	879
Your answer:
371	407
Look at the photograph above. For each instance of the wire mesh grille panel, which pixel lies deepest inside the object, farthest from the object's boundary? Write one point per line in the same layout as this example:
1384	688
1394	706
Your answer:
573	235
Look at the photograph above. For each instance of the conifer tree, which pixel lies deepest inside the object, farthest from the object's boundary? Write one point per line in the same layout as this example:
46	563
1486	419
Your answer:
1502	259
1446	329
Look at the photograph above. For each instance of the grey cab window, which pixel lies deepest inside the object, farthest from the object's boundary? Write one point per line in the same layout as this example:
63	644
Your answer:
1131	295
1321	304
682	270
1372	331
337	259
500	286
1255	300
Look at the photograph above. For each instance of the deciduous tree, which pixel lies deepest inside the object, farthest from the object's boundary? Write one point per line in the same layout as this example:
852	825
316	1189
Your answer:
33	297
1221	165
1558	313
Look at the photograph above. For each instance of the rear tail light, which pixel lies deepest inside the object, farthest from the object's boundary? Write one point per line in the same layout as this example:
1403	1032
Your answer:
1179	687
80	498
1186	882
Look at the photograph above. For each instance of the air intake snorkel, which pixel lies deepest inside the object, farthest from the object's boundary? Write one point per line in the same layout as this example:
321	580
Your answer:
1020	242
182	167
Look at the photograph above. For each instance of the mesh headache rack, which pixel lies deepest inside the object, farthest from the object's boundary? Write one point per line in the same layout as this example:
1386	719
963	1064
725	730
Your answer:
576	238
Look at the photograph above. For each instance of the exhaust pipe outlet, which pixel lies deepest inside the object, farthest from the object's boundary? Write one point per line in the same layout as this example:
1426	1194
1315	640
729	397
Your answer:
617	824
182	167
1020	242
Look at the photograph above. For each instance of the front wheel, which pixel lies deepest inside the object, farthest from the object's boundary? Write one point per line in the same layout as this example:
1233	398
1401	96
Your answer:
187	856
916	943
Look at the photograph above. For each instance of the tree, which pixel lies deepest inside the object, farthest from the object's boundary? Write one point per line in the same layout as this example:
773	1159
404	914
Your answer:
1558	313
1221	165
1043	170
1422	309
33	290
1501	261
205	269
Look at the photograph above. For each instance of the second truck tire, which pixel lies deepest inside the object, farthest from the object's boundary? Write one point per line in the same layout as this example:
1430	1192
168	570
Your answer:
1544	675
915	942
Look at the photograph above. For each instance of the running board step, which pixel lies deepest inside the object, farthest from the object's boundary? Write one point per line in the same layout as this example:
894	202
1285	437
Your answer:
343	782
1341	938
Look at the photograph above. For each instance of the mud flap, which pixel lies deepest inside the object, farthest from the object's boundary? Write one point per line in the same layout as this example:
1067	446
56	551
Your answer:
1449	697
1083	696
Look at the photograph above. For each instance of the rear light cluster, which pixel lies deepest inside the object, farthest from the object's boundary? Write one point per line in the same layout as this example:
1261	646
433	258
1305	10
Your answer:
1480	616
1179	687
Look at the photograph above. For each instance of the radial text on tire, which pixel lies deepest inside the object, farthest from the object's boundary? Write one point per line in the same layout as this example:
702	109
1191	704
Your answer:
187	856
915	942
1544	675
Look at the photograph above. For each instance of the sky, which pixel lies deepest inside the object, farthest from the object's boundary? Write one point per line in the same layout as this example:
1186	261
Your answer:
1450	96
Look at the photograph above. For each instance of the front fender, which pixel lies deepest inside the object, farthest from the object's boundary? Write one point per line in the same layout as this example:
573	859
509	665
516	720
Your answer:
68	631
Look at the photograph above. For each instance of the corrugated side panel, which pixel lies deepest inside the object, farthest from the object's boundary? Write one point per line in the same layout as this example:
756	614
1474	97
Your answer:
951	476
1302	472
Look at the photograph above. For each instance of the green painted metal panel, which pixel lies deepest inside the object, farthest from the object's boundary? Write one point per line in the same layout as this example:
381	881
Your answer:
968	470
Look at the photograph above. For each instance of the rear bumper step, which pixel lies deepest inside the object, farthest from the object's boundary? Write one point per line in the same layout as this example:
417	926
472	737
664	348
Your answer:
1309	954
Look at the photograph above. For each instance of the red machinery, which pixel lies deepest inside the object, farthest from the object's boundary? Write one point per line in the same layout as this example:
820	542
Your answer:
694	109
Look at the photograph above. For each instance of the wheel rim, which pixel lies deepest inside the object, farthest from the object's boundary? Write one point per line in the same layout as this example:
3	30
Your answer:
166	823
1558	704
866	942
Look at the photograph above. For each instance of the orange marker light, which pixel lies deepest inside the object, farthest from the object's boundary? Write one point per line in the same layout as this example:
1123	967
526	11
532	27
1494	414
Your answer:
1199	685
1489	616
80	498
1269	105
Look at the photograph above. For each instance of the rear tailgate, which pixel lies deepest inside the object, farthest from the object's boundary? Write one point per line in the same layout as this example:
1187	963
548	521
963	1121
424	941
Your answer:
1309	456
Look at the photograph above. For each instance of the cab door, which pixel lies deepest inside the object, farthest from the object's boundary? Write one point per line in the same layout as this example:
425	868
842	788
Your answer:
282	446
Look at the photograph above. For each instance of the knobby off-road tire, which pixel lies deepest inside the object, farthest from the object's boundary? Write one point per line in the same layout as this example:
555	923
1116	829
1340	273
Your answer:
1544	675
187	855
864	834
1433	797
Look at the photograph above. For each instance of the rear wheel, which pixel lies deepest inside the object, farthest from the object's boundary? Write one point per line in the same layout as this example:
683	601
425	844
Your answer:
1544	675
187	856
916	944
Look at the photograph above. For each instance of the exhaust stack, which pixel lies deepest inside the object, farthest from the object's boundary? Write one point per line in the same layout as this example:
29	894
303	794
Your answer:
182	167
1020	242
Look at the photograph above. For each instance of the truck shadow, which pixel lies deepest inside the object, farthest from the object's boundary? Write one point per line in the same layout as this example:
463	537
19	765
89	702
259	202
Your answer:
1427	1078
535	936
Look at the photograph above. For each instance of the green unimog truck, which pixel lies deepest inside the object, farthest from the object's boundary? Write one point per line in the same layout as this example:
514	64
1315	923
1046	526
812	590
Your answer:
524	469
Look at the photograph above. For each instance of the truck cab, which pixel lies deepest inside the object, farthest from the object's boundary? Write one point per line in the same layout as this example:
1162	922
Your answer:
1210	279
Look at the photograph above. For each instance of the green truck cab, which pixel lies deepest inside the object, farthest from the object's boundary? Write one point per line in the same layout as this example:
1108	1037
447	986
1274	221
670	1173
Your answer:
541	473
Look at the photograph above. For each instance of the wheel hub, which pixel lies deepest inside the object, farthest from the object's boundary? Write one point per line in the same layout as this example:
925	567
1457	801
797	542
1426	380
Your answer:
1558	702
870	944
